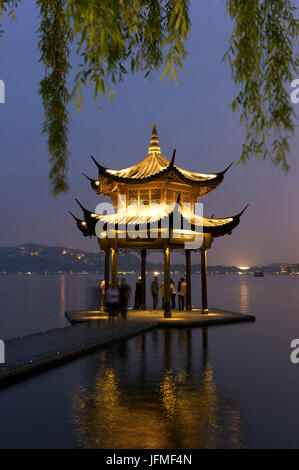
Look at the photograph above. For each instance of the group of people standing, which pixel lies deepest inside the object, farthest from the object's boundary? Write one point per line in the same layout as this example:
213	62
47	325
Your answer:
116	300
181	292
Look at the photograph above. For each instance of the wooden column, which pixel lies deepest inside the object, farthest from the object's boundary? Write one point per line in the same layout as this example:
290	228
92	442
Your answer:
167	311
107	268
188	280
204	294
114	282
143	279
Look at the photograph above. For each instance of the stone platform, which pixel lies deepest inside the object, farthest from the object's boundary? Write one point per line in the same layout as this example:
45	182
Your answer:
94	330
179	318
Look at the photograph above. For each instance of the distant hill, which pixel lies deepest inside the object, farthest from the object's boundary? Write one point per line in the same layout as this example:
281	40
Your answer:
40	259
58	259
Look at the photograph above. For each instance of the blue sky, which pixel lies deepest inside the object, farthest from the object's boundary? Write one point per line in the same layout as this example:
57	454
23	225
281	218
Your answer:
193	117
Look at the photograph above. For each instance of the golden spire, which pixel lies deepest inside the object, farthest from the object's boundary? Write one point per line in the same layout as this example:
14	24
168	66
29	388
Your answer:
154	144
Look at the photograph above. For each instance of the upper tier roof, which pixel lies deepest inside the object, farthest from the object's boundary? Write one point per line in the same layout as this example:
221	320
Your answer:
155	166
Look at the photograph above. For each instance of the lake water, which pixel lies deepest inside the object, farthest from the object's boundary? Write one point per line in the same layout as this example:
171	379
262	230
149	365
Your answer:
230	386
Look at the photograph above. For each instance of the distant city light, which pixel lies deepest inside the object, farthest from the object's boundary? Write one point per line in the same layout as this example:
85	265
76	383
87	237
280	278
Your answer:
243	268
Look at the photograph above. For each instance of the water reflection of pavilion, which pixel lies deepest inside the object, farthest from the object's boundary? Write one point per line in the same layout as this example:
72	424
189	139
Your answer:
145	394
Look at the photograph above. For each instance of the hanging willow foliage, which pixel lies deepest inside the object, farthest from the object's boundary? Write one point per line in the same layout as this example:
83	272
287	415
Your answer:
116	37
263	55
55	38
9	7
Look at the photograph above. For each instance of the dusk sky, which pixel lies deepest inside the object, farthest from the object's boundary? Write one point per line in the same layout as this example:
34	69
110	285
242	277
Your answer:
193	117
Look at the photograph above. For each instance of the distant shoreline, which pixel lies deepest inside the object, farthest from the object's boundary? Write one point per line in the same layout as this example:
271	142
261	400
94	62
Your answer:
136	273
40	259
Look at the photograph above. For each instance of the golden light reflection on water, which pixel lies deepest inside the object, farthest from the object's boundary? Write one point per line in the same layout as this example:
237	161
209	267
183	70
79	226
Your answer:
62	298
182	408
244	295
168	394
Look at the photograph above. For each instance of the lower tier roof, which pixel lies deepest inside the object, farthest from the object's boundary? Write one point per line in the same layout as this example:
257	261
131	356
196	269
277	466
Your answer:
153	221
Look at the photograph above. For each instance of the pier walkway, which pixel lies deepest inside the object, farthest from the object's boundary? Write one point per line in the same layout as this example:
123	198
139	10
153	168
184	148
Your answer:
93	330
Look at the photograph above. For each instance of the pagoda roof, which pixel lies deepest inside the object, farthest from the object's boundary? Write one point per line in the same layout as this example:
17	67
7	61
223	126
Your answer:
137	215
155	166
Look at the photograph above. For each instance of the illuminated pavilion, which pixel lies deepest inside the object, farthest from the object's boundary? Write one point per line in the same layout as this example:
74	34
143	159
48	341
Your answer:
154	208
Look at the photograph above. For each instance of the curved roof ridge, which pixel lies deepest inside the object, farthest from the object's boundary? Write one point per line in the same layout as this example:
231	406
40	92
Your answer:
195	176
153	163
155	166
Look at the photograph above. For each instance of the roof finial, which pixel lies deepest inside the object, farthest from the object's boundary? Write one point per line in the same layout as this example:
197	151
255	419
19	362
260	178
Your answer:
154	144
